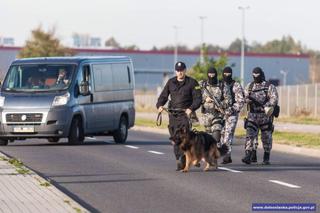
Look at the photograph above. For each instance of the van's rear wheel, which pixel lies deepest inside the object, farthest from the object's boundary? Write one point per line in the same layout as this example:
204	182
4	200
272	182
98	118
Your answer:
3	142
76	134
121	134
53	140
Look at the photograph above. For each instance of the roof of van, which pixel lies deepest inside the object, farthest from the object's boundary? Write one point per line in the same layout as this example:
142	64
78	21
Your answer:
77	59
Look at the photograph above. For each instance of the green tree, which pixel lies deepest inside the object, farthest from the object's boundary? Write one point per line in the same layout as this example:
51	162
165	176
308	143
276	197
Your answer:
130	47
112	42
235	46
287	45
210	48
199	70
43	44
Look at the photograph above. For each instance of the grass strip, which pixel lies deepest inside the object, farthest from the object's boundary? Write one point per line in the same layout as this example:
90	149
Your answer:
299	139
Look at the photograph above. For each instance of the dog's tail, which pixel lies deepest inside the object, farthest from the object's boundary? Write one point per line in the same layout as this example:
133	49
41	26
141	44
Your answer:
223	149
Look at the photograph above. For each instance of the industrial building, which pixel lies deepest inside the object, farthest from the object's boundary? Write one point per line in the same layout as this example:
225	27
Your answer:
152	68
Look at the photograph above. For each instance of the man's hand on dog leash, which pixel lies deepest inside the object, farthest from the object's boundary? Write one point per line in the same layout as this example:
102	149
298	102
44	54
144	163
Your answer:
188	111
160	109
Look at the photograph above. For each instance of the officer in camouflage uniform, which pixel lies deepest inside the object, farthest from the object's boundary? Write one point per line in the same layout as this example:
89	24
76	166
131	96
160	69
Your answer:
262	98
212	116
233	101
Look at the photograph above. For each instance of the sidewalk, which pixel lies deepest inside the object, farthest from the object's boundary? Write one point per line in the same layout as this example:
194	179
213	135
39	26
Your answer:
21	190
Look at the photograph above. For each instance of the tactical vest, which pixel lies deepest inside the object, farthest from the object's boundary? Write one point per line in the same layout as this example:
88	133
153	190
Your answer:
276	110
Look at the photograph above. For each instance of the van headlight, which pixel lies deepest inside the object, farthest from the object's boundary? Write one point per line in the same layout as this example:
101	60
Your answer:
2	101
61	100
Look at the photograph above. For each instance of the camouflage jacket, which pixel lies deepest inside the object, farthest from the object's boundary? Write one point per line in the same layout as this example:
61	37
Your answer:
215	90
264	93
233	97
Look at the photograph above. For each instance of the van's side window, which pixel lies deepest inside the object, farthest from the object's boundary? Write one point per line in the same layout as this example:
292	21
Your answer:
102	77
120	76
86	73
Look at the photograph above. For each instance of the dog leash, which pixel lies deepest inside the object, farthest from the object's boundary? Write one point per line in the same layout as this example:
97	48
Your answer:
159	119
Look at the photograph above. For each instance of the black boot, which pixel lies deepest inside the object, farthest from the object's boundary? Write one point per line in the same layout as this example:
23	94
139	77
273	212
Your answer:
266	158
254	156
247	158
227	159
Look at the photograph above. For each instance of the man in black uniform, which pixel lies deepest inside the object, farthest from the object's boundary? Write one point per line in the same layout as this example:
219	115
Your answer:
185	94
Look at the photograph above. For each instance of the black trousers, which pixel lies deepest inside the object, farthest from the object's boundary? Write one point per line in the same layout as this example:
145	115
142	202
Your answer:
177	121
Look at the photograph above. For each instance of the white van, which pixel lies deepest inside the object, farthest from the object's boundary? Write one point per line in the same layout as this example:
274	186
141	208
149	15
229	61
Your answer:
72	97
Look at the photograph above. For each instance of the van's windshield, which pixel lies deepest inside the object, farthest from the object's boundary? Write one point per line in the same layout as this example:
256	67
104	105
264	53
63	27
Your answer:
43	77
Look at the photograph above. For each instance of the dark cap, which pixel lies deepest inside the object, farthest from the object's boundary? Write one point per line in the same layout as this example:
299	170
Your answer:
180	66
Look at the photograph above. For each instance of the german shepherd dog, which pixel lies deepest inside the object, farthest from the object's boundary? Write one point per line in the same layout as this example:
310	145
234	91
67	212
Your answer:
198	145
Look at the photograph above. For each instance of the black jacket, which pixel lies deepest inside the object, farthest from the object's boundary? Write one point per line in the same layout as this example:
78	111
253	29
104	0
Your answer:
183	95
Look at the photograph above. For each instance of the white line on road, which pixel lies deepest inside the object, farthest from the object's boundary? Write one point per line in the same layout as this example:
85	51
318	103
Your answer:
132	147
154	152
91	138
284	184
230	170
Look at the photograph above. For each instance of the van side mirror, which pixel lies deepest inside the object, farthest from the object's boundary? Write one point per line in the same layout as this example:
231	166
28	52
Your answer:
84	88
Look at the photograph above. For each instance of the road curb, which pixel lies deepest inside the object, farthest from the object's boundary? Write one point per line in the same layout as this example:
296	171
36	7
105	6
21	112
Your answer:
275	146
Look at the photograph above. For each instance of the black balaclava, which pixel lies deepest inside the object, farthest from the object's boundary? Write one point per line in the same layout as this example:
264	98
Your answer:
213	80
227	75
258	75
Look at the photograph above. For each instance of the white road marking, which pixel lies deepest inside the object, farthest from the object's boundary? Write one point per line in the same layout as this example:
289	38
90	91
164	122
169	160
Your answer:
230	170
154	152
132	147
284	184
91	138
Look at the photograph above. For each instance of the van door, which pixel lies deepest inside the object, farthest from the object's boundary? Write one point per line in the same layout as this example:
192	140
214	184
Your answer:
103	96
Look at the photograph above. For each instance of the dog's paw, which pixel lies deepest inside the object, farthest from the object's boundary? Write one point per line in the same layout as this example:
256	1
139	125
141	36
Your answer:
184	170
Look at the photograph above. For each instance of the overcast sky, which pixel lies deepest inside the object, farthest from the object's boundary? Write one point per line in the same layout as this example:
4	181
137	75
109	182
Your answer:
150	22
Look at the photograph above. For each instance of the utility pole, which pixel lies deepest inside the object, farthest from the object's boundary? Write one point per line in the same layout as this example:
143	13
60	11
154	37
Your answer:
202	39
284	73
243	10
175	58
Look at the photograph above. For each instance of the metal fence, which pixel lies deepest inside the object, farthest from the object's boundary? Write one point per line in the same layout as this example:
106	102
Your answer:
300	100
296	100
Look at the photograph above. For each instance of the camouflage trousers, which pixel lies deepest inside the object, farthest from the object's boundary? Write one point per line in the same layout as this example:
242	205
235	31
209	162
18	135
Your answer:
213	124
228	131
256	122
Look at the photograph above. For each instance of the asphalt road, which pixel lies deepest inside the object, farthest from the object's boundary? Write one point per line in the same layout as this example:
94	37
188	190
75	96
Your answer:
140	176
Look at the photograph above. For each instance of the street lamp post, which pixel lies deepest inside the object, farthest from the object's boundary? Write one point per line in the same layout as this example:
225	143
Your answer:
284	73
202	38
175	59
243	9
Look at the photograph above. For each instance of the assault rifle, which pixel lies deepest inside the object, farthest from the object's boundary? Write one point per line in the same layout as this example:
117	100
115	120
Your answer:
218	104
267	110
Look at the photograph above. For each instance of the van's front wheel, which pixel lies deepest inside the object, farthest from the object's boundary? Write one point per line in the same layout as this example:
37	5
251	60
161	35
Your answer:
121	134
76	134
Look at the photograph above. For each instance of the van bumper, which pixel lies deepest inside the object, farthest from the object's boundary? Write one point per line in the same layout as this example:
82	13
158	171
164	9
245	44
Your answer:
55	124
